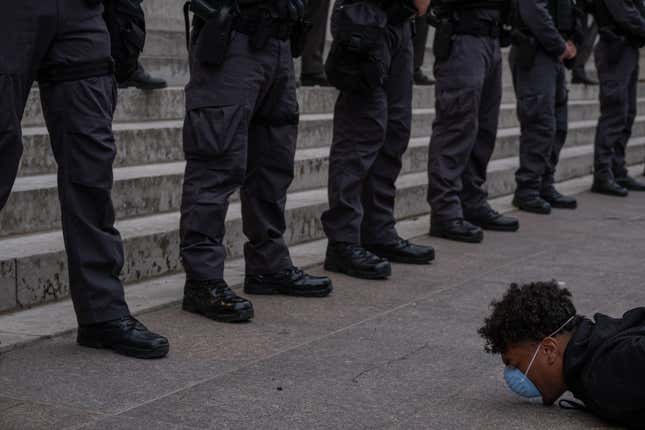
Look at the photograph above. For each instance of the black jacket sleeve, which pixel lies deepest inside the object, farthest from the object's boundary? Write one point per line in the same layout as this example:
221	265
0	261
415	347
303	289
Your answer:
619	377
627	17
535	15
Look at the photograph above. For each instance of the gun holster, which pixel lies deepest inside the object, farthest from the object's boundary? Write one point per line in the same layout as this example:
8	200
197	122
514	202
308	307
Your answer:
443	38
212	42
526	48
355	62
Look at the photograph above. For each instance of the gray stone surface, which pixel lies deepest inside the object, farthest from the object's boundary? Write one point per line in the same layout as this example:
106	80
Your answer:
396	354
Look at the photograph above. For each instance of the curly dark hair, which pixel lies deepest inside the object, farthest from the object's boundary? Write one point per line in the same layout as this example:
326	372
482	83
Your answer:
528	313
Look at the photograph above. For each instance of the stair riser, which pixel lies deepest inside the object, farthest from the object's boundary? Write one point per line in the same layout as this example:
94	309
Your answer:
38	210
159	145
43	277
168	104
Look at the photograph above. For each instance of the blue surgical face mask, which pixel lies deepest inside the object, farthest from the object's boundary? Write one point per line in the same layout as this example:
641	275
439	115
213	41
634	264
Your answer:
519	382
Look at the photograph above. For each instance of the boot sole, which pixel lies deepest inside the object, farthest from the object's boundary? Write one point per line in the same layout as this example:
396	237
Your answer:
465	239
240	317
405	260
508	229
331	267
532	210
272	290
146	354
607	193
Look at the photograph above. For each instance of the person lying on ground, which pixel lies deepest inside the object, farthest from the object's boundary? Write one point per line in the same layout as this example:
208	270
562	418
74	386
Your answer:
549	349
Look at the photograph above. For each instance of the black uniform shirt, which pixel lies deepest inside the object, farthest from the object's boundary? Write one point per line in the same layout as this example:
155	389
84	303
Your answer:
535	15
627	17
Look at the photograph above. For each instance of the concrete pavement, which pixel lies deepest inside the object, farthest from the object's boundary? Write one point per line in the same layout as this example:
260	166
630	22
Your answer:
397	354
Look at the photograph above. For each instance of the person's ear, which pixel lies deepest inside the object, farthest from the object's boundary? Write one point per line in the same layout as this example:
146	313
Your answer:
551	350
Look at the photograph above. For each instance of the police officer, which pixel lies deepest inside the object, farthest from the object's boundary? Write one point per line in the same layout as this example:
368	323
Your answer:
622	24
371	62
468	70
541	43
65	45
240	133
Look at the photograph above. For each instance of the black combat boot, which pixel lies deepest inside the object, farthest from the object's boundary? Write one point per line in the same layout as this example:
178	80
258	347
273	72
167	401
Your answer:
608	187
557	200
314	80
402	251
291	282
126	336
142	80
356	261
532	203
216	301
630	184
456	229
489	219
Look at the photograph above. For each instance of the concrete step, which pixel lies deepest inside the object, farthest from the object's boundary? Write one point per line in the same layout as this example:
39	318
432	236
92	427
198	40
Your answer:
142	190
137	106
153	142
33	267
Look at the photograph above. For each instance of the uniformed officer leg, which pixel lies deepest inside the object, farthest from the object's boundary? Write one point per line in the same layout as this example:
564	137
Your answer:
313	70
379	189
216	130
79	118
614	112
28	30
548	191
460	81
379	234
619	166
536	92
474	194
270	171
14	90
420	45
219	102
272	146
360	124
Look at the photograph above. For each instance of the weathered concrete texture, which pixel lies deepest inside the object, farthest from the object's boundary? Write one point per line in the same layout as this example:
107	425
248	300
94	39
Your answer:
152	243
396	354
168	104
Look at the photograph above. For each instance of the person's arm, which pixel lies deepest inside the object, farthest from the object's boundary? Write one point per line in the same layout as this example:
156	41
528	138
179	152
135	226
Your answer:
422	6
535	15
627	16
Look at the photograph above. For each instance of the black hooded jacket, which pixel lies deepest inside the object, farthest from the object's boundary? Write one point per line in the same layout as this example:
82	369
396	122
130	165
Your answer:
604	367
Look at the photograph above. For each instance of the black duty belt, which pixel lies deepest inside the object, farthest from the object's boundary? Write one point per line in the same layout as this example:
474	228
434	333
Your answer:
249	25
478	28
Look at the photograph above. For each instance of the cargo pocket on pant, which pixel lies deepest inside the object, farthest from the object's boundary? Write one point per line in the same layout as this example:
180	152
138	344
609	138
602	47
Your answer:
456	102
612	94
529	107
90	151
